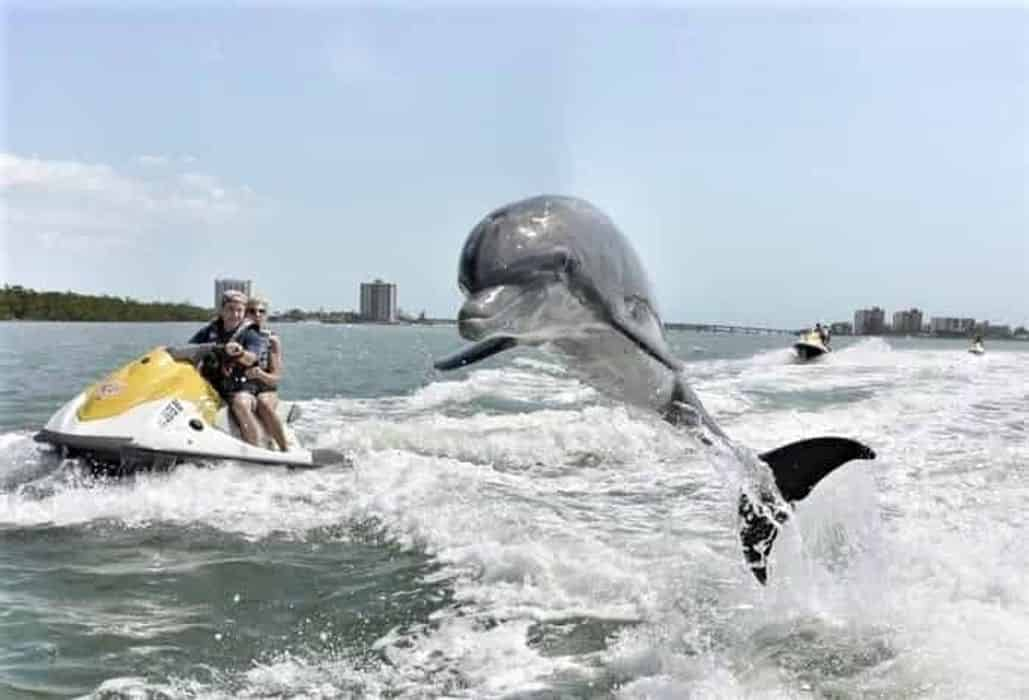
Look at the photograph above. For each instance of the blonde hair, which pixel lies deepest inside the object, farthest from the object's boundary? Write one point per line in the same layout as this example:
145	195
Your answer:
257	300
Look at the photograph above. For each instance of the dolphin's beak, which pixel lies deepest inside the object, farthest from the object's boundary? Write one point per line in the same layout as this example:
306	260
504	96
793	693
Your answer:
484	319
471	354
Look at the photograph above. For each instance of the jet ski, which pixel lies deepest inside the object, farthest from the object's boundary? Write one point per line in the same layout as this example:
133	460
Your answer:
159	410
810	346
977	348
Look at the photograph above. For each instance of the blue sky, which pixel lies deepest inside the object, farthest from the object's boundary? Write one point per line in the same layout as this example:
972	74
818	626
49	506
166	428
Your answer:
772	166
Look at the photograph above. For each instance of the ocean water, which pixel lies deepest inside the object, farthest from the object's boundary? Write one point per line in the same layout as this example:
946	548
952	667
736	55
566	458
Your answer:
507	532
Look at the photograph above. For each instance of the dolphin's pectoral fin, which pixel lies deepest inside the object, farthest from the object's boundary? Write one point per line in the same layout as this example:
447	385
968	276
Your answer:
659	353
581	285
470	354
684	409
797	468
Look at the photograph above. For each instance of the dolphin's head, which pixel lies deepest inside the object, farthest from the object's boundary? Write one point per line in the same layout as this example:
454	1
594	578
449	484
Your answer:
513	272
546	269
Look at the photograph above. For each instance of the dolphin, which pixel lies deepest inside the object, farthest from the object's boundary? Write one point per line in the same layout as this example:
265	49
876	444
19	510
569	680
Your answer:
554	271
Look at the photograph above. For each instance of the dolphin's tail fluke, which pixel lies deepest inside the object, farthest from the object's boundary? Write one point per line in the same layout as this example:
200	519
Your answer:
797	467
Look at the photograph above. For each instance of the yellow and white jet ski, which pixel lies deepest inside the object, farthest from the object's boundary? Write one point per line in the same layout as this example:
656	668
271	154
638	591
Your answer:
158	410
810	346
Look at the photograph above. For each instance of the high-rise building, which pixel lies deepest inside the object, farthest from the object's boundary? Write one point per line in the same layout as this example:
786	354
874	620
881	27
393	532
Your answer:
909	321
948	325
223	285
869	321
379	301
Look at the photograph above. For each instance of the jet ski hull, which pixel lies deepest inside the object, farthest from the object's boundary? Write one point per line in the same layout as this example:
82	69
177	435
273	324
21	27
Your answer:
806	351
810	346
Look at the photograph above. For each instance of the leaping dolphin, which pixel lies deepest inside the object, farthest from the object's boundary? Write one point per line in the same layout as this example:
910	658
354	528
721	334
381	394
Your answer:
556	271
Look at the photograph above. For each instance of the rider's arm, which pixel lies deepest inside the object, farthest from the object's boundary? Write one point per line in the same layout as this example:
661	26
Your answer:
255	344
200	336
274	373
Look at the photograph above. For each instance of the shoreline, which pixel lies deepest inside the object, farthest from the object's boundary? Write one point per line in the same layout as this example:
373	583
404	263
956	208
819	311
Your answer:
676	326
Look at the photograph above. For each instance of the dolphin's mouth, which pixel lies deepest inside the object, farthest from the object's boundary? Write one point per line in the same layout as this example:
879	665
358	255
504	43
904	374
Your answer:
489	318
470	354
494	310
499	318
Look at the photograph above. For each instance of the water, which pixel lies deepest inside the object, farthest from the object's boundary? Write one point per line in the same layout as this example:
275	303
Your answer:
508	532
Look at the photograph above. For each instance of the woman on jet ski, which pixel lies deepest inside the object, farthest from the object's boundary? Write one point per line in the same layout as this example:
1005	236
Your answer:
244	345
267	373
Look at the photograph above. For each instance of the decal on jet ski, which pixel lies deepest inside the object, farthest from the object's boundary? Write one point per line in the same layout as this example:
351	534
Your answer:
169	412
110	389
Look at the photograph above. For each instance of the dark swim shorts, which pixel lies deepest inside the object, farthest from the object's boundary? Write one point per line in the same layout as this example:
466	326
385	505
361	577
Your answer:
229	386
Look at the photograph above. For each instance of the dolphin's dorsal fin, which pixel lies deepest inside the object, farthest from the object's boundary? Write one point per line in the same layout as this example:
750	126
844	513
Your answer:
797	468
800	465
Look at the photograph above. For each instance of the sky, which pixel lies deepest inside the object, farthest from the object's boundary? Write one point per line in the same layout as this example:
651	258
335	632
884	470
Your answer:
771	165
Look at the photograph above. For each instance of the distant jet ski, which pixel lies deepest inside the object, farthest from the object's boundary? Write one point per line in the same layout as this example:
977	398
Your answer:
810	346
158	410
977	348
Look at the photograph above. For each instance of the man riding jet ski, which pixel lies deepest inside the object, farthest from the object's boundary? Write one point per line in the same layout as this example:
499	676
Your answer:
242	346
813	343
160	408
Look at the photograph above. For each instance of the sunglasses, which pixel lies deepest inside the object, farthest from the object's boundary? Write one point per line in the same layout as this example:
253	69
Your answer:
258	311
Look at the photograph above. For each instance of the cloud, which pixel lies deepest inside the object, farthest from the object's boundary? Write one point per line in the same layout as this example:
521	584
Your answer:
158	161
61	202
19	174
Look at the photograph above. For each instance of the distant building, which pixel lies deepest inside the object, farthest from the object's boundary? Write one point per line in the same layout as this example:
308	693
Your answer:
993	330
909	321
947	325
379	301
841	328
223	285
869	321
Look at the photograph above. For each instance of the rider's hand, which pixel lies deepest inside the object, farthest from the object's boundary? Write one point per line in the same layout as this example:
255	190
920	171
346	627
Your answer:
233	349
253	373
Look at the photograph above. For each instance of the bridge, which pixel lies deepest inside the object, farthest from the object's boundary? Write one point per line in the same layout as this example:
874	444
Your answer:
724	328
699	327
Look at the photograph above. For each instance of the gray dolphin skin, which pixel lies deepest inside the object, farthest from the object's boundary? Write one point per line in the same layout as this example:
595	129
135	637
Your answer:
555	271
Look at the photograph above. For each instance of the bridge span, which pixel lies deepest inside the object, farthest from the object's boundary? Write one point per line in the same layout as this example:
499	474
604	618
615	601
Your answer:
726	328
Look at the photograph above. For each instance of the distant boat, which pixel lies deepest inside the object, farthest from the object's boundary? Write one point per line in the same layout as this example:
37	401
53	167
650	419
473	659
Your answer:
810	346
977	348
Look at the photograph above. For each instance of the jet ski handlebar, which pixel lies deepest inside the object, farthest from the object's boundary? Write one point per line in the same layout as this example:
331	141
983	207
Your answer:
194	352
